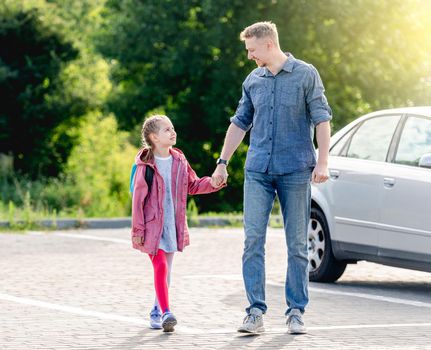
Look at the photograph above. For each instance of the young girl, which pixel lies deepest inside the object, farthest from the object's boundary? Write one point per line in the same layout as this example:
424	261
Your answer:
159	225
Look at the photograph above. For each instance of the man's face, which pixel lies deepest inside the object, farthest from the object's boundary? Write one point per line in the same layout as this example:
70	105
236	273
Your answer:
258	50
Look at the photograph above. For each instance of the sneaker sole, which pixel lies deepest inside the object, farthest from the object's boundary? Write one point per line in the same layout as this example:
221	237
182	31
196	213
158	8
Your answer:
168	325
158	326
257	331
297	331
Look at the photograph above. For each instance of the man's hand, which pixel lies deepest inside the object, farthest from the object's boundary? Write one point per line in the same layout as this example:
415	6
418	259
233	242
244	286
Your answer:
320	173
219	177
139	240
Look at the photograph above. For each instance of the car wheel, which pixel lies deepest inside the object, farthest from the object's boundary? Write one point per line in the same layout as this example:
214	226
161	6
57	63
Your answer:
323	267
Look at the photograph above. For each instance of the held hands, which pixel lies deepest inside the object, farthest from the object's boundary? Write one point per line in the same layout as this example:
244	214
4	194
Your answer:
219	177
320	173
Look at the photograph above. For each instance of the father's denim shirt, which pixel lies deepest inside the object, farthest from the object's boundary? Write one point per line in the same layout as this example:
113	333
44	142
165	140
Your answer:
281	111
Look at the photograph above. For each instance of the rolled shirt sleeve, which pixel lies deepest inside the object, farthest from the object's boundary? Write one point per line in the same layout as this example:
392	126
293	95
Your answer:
243	117
317	104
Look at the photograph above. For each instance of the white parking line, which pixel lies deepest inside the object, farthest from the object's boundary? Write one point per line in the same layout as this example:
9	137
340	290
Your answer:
82	236
233	277
95	238
182	329
277	284
70	309
363	295
373	297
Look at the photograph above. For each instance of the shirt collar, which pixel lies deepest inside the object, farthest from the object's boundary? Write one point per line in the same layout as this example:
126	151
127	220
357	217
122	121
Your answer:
288	66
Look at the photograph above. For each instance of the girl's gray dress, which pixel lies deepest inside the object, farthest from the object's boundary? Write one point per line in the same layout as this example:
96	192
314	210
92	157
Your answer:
168	242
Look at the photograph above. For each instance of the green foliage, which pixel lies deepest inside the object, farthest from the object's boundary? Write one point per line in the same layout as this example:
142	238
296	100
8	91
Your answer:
99	167
48	80
65	64
192	212
95	183
187	58
371	54
11	214
31	57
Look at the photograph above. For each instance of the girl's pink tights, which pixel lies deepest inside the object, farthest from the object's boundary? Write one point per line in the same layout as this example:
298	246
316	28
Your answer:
161	267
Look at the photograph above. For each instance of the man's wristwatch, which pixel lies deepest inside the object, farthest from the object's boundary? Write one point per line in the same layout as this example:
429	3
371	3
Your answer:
222	161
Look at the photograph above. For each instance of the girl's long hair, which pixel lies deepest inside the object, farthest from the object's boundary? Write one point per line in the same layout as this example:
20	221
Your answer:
151	126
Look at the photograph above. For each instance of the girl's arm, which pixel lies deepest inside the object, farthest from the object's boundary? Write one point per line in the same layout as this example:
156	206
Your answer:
140	191
198	185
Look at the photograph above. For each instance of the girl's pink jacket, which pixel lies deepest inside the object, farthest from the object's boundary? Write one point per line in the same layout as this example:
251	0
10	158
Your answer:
147	213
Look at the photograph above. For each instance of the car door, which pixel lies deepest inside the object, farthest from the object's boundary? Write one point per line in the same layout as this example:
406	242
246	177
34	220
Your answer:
354	190
406	206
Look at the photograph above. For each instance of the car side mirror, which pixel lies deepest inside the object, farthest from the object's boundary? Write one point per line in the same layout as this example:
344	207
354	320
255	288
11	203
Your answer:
425	161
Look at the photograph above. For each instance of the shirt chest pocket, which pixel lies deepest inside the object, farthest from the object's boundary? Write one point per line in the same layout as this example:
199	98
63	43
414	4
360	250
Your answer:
259	96
289	96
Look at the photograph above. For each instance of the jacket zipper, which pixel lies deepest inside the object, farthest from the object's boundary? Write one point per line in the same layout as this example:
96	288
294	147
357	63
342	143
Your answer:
176	187
176	199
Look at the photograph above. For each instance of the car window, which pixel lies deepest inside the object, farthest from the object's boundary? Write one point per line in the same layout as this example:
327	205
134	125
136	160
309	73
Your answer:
415	141
372	139
337	149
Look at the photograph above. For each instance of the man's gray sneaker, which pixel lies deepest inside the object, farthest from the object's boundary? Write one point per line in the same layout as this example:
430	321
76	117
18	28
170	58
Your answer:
295	323
253	322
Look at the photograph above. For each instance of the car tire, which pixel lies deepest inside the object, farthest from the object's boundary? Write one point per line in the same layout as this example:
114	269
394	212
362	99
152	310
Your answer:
323	267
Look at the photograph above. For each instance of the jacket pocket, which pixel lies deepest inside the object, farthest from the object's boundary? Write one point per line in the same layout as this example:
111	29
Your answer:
149	218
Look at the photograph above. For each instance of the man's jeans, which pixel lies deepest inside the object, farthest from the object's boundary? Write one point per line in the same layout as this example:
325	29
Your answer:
294	193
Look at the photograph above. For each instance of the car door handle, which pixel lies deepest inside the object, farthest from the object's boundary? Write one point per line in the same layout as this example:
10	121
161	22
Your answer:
334	174
388	182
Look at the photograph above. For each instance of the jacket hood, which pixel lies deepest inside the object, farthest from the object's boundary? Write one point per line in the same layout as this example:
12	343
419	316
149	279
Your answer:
175	152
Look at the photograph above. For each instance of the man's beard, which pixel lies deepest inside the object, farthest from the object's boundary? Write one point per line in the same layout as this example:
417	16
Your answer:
260	63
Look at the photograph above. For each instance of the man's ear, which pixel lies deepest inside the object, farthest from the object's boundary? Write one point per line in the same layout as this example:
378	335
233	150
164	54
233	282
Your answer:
270	44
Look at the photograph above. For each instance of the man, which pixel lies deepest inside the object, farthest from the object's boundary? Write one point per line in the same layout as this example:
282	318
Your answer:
282	102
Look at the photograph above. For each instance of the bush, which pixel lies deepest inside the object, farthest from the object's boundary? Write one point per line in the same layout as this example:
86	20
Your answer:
99	167
95	181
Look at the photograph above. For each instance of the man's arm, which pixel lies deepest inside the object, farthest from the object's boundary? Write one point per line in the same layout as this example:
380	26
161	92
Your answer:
234	136
323	135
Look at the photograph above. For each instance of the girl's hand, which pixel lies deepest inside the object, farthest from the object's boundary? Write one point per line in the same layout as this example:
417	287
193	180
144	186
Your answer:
215	182
220	175
139	240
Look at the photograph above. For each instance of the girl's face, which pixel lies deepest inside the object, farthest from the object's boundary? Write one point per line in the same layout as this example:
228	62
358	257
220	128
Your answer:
166	137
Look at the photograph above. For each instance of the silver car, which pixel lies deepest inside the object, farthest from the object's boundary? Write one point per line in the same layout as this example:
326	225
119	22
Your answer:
376	205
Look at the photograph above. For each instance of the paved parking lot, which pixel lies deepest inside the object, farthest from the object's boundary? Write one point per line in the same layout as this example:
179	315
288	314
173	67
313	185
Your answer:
88	289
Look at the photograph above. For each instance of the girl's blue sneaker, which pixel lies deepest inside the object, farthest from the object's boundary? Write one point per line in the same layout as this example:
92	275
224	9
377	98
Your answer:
156	318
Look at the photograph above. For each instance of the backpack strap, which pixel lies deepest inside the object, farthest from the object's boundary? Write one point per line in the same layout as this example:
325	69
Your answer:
149	174
132	177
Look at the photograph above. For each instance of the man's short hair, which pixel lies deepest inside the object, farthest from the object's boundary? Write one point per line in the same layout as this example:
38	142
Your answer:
261	30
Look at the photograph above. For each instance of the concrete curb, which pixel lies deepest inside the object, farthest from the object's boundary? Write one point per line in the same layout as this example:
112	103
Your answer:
125	222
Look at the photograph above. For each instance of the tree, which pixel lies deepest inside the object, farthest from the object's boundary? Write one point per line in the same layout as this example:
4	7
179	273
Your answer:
371	54
49	78
186	58
31	57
